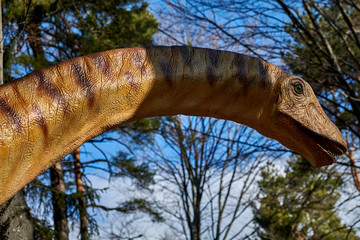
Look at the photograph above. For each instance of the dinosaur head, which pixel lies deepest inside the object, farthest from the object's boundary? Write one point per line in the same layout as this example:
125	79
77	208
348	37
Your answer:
299	122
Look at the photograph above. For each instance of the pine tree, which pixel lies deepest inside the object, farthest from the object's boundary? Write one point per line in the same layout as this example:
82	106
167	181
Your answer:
39	33
325	51
299	204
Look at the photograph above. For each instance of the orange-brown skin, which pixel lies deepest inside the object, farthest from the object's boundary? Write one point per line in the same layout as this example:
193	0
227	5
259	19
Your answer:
49	113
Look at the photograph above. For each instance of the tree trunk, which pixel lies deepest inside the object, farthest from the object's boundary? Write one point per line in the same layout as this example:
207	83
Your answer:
81	198
197	212
15	219
59	202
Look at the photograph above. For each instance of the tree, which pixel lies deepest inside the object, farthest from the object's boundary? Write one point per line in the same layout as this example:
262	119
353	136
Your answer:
205	168
333	69
304	34
14	214
318	40
299	204
15	219
40	33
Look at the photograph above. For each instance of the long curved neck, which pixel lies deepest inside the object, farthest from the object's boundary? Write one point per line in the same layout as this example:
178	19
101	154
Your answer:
53	111
204	82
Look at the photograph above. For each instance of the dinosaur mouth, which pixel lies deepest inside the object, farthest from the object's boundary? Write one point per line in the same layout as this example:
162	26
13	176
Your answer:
325	149
331	154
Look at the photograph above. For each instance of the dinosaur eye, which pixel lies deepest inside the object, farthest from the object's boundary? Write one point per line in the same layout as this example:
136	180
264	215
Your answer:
298	88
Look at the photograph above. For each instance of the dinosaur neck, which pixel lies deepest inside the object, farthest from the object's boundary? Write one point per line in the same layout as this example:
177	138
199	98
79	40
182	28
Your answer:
53	111
203	82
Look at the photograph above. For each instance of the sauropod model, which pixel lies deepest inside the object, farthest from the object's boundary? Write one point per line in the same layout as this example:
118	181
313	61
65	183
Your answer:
47	114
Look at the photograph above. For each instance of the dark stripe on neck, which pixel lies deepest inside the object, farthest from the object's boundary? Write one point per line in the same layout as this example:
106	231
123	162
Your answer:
103	64
263	73
139	63
167	71
241	66
214	58
83	81
45	86
187	55
41	120
11	113
134	85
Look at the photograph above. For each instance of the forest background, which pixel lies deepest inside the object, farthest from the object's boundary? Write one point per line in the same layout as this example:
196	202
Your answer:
190	177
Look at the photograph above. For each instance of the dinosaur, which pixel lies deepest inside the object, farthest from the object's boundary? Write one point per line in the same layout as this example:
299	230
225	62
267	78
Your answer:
48	113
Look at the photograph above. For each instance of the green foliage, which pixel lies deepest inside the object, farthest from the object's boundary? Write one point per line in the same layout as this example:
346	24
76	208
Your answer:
326	54
112	24
309	56
325	50
299	204
38	33
127	166
42	230
139	204
142	130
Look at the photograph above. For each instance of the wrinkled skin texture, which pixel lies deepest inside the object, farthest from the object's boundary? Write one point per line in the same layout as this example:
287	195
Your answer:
49	113
313	135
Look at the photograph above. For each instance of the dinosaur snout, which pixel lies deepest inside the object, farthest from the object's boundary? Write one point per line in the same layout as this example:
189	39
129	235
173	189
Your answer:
328	138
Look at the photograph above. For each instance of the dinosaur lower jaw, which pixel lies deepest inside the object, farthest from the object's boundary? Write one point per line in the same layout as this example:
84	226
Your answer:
324	150
319	146
329	156
331	153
